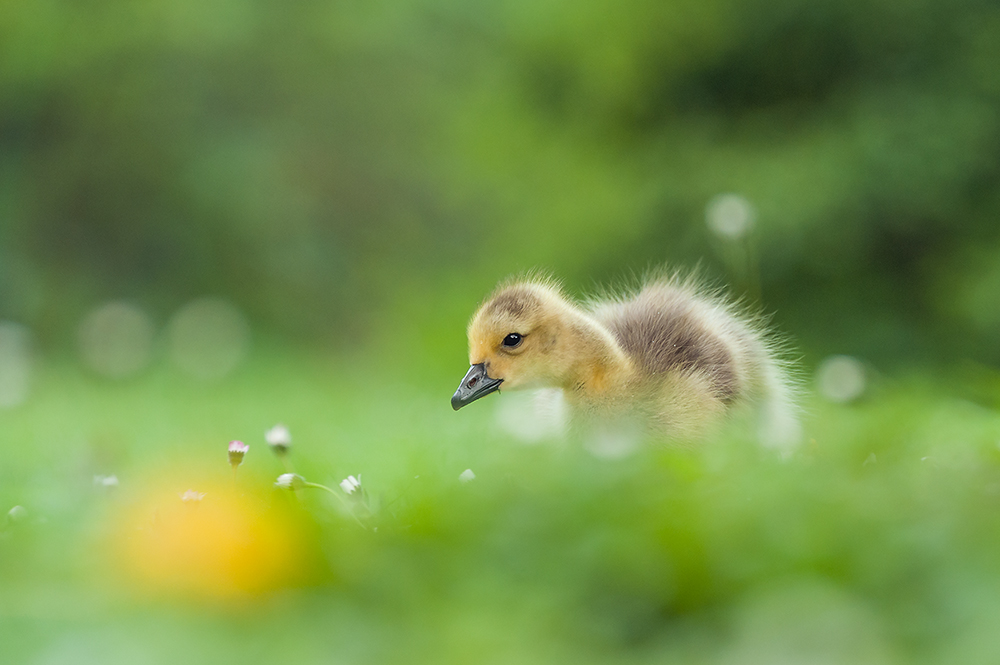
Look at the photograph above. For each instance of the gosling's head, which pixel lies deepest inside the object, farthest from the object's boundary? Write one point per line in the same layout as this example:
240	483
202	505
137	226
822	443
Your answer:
515	340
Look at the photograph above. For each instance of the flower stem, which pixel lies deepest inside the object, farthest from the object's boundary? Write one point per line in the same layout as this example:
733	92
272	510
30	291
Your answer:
340	497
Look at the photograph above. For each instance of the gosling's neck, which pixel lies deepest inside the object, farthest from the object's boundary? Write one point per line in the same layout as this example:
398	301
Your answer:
597	367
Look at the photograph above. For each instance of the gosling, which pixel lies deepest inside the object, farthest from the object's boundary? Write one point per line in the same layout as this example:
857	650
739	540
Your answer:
671	356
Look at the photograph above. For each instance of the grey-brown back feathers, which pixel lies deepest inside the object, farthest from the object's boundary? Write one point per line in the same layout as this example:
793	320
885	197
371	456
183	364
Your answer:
677	325
663	328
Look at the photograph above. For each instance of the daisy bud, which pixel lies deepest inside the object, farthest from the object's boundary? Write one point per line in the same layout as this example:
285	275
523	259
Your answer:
237	449
466	476
290	481
350	484
16	514
279	438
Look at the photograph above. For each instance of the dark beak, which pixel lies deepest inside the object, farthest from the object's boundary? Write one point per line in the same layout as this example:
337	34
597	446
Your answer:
475	385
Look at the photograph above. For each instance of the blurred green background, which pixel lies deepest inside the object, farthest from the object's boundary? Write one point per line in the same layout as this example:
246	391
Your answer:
217	216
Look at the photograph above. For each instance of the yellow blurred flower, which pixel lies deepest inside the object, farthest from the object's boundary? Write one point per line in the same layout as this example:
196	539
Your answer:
223	546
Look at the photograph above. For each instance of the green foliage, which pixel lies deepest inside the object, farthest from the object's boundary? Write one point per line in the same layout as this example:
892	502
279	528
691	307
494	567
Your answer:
324	163
874	544
355	176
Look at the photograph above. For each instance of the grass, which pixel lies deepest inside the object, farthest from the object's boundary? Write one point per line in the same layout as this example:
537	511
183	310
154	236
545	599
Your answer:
877	543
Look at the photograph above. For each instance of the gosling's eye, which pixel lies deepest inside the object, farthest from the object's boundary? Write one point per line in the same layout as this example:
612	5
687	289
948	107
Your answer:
512	340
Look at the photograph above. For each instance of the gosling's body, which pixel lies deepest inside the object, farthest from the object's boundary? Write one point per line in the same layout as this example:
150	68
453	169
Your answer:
670	357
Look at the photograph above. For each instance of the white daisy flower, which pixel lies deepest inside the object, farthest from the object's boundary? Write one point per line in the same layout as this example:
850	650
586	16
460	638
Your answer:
279	438
350	484
290	481
237	449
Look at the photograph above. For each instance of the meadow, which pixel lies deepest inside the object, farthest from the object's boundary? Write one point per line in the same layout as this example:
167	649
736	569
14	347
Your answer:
874	543
220	217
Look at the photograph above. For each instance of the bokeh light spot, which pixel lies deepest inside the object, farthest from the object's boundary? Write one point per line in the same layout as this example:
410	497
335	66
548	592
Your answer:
613	440
116	340
841	379
532	417
208	338
730	216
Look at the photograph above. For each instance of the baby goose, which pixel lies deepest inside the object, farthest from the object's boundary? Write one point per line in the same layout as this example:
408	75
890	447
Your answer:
670	357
